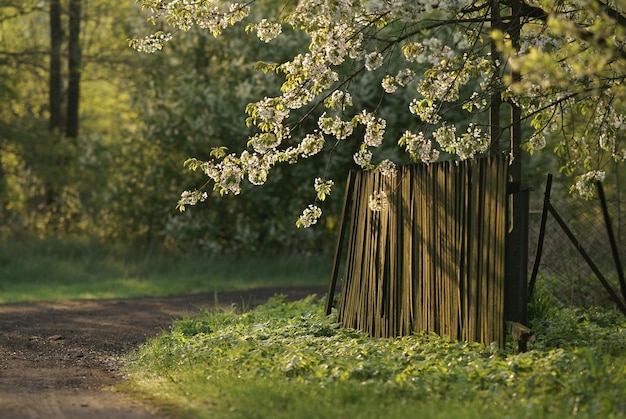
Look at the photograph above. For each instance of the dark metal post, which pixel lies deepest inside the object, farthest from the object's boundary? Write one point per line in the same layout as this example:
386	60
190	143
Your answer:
612	241
516	270
542	233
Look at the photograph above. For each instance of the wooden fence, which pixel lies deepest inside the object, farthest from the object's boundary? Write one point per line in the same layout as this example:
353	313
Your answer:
433	259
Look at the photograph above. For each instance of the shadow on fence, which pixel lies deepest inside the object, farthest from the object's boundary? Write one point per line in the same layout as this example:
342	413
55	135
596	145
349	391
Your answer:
431	255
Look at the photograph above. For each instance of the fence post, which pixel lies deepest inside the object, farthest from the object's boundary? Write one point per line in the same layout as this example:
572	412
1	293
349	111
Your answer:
612	241
516	270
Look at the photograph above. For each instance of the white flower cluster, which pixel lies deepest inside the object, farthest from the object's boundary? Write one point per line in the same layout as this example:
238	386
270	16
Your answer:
339	99
378	201
537	141
430	51
390	83
334	125
152	43
266	31
471	143
443	84
374	128
309	216
387	168
476	101
323	188
269	111
257	167
373	61
230	175
363	158
185	14
191	198
585	185
311	144
535	40
418	147
426	110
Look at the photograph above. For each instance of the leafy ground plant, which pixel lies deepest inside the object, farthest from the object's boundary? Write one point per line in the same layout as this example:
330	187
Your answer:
290	360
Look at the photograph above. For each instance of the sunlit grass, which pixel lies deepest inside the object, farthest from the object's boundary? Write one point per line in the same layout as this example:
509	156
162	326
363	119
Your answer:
32	270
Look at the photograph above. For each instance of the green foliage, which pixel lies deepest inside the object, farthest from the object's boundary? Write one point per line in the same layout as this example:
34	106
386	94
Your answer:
50	184
191	102
599	330
52	269
289	359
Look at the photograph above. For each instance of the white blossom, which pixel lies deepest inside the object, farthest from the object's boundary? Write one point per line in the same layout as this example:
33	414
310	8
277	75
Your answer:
309	216
378	201
586	184
323	188
426	110
230	177
404	77
151	43
311	144
538	141
418	147
192	198
339	99
363	158
373	61
267	31
335	126
374	128
387	168
389	84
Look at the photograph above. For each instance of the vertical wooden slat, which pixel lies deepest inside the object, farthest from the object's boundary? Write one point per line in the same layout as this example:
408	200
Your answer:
488	249
463	230
501	229
430	301
441	242
418	185
408	264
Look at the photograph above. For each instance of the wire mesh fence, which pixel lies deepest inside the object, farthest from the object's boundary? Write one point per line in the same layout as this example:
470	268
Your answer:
563	274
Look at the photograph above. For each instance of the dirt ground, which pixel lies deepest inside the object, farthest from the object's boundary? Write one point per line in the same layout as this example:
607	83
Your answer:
61	359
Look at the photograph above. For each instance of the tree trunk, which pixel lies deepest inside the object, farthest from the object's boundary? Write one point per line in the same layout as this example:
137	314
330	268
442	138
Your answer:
55	124
56	41
74	61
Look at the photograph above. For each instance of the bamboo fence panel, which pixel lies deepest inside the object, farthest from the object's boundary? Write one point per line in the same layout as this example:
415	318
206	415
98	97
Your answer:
433	258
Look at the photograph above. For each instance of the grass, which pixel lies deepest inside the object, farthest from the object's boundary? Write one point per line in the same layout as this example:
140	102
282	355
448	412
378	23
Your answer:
36	270
285	360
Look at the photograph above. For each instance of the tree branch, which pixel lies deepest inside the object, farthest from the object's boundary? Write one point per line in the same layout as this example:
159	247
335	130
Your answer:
620	19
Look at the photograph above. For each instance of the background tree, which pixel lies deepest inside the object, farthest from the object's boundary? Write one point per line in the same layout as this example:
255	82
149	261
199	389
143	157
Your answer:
47	57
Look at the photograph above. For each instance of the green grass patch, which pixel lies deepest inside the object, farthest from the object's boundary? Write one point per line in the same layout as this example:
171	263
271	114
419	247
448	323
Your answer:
35	270
285	360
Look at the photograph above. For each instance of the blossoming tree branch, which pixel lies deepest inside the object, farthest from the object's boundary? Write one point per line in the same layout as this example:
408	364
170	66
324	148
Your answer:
561	63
